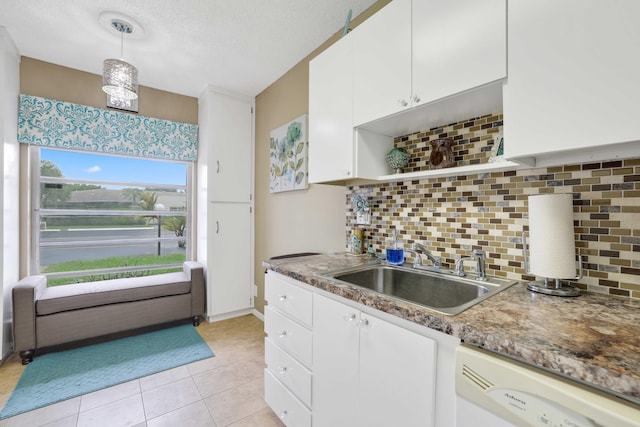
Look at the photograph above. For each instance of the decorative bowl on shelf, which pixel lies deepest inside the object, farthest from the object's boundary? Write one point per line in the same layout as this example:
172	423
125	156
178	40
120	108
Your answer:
398	158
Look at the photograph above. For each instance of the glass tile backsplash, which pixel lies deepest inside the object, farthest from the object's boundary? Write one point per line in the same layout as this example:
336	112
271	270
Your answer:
454	215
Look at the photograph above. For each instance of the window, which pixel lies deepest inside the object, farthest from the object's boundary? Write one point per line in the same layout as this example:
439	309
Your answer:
99	216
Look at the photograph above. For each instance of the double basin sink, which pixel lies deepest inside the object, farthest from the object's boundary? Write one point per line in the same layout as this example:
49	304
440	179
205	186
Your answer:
439	290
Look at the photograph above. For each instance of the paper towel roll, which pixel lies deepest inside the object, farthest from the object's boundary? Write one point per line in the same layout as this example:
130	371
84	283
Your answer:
551	240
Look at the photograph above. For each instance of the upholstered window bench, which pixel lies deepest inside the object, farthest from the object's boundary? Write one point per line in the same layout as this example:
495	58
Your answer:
51	316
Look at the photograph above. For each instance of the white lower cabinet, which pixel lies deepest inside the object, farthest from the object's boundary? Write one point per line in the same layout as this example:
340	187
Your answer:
288	355
284	403
369	372
330	364
229	284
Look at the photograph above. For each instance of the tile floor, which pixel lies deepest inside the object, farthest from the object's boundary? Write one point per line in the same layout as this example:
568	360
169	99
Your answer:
226	390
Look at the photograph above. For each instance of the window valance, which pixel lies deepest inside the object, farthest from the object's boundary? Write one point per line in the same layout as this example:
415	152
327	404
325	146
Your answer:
57	124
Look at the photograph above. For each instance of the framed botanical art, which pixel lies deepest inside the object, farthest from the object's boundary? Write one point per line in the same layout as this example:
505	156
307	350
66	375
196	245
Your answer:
288	163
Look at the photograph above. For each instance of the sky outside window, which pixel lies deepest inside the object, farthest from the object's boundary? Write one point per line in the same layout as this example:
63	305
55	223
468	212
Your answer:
103	167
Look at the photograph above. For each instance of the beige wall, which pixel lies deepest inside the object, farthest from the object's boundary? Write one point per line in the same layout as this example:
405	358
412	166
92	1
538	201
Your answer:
296	221
52	81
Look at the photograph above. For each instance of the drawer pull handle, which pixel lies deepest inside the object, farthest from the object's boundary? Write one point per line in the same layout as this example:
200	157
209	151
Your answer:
283	334
283	297
283	414
283	370
363	323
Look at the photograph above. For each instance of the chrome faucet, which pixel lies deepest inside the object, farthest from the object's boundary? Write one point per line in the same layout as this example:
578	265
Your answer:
478	255
418	262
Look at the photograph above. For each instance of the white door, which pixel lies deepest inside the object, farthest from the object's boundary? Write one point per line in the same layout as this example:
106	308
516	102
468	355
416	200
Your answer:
335	363
573	76
397	375
382	63
229	267
457	45
230	150
330	113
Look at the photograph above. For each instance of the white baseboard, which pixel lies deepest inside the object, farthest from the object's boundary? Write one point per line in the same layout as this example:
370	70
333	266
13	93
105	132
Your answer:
229	315
232	314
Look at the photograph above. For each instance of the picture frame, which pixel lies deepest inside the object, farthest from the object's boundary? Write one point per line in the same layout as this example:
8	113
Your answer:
497	151
288	158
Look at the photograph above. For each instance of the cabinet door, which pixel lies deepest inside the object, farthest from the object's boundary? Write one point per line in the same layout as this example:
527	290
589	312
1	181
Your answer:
573	76
335	363
397	375
229	266
382	63
457	46
330	113
230	150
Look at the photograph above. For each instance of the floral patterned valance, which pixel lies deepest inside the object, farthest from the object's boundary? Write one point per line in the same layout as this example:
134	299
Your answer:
57	124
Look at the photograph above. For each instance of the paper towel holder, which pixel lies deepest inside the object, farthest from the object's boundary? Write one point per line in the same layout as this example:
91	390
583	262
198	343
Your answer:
550	286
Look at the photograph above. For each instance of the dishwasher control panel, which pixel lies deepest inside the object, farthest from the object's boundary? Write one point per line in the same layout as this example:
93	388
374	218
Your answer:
523	395
537	410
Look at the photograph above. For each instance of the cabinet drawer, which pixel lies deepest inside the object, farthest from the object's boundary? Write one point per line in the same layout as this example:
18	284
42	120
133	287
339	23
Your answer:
289	298
290	336
290	410
288	371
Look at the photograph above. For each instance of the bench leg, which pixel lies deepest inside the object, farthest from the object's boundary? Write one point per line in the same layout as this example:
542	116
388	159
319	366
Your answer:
27	356
196	320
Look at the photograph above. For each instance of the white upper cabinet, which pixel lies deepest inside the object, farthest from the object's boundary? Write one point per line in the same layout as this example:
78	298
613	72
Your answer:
413	53
572	92
382	63
230	138
330	113
456	46
409	67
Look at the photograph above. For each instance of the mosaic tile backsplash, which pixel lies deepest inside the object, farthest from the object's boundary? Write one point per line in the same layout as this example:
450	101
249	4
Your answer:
456	214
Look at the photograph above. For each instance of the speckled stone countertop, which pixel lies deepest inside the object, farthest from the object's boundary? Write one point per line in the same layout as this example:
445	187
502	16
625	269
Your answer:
592	338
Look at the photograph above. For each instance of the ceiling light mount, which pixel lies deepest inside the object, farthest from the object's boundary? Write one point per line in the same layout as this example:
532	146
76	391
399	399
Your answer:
119	78
122	26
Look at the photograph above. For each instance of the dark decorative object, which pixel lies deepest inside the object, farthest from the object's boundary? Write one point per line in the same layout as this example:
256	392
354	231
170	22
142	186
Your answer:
27	356
441	153
398	158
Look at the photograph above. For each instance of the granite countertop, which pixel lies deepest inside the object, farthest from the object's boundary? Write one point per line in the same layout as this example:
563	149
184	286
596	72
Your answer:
593	338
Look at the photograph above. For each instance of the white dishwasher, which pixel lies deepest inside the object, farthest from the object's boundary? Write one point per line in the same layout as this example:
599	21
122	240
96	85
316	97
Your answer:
495	391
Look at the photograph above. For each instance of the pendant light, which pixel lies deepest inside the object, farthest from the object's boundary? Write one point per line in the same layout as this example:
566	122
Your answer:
119	78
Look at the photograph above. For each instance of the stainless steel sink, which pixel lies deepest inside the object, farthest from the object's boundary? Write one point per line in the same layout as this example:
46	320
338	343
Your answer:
438	291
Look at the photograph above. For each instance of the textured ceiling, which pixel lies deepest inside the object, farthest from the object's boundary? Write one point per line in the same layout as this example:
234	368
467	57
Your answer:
239	45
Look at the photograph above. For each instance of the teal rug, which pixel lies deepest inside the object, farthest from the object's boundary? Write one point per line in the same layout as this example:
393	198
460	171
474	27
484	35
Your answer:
55	377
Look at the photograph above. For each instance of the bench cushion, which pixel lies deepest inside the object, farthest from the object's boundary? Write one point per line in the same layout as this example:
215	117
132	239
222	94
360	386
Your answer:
57	299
